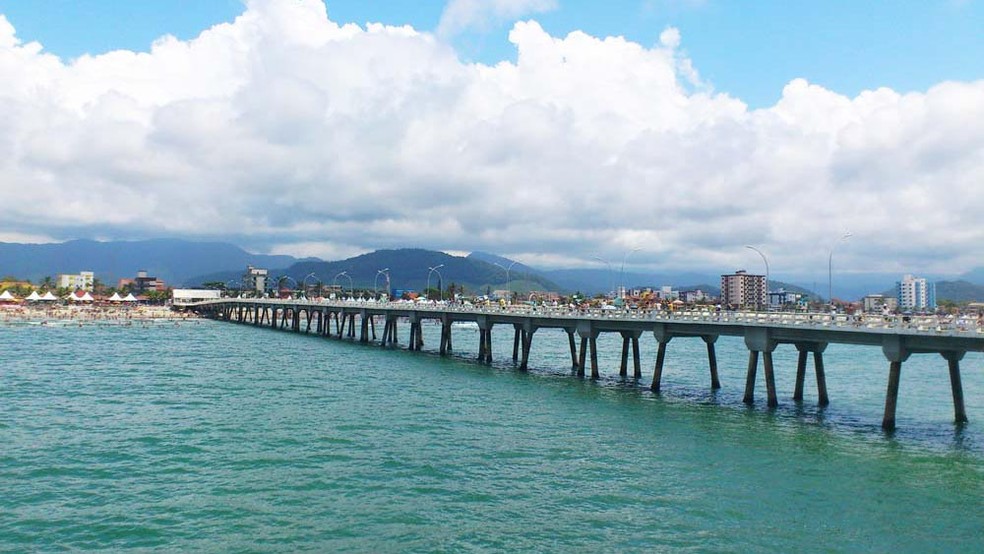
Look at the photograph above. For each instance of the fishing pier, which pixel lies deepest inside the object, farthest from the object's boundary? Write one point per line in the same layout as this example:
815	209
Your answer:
898	337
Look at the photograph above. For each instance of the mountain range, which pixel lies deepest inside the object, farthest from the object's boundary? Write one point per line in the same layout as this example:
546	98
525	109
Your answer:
189	263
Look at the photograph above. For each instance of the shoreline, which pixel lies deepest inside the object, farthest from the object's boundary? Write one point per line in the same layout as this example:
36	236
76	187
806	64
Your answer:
80	315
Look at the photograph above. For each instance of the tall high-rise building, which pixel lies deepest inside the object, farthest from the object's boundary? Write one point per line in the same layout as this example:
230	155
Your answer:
914	293
743	290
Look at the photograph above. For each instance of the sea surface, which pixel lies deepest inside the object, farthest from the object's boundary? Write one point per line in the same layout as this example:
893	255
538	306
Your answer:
225	438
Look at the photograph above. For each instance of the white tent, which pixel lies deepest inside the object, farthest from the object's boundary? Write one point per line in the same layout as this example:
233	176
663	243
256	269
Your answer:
34	296
5	295
86	297
116	297
130	298
49	297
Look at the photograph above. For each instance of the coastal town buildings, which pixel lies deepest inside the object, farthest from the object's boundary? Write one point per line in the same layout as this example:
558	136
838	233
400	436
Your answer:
915	293
743	290
879	303
143	283
84	280
255	279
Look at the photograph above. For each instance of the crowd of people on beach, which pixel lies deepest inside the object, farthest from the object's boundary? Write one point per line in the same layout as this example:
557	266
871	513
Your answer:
119	314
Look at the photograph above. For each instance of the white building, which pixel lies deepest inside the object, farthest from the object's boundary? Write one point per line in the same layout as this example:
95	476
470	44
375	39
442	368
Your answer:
743	290
255	279
914	293
187	296
83	281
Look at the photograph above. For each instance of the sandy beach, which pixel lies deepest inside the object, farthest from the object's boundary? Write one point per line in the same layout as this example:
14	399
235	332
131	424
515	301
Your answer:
92	314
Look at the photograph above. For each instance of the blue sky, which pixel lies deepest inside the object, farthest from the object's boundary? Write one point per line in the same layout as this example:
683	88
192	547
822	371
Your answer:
747	49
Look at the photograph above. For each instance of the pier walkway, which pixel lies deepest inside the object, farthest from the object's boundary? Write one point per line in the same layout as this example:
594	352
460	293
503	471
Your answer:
810	333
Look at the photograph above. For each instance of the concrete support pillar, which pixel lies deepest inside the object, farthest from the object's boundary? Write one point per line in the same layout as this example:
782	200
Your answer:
527	344
364	328
445	331
753	357
892	396
623	368
636	362
573	347
712	360
372	326
822	398
481	344
517	331
658	368
593	342
956	387
770	380
800	374
581	357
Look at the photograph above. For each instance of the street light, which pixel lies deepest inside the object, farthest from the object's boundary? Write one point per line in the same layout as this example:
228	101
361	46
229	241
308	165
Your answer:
280	281
334	282
304	282
621	273
830	267
767	302
508	286
432	270
611	273
375	289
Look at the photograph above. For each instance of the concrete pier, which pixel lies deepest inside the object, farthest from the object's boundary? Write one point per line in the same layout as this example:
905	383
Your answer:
762	333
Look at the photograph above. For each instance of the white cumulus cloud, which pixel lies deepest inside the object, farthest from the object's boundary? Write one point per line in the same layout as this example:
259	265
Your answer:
285	130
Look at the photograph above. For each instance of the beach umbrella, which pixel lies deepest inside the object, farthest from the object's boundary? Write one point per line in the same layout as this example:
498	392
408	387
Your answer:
130	298
33	297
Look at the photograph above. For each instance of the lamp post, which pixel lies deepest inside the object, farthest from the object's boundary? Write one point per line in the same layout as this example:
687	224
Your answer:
621	273
611	273
375	289
304	282
508	286
440	278
280	281
766	272
830	267
334	282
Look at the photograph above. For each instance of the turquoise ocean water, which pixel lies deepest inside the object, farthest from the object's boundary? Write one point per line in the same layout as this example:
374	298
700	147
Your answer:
217	437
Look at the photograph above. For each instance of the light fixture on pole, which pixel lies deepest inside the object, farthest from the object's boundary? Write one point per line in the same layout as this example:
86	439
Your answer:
830	267
375	289
508	286
766	272
304	282
621	273
433	270
611	272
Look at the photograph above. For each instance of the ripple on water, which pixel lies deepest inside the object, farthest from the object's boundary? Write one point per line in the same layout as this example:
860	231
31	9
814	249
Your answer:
217	437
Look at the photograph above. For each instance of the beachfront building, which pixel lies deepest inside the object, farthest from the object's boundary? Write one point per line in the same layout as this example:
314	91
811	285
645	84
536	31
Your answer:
187	296
255	279
784	299
743	290
694	296
143	283
83	281
914	293
879	303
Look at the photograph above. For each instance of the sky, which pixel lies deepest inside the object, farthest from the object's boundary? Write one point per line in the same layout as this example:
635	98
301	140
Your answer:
666	133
